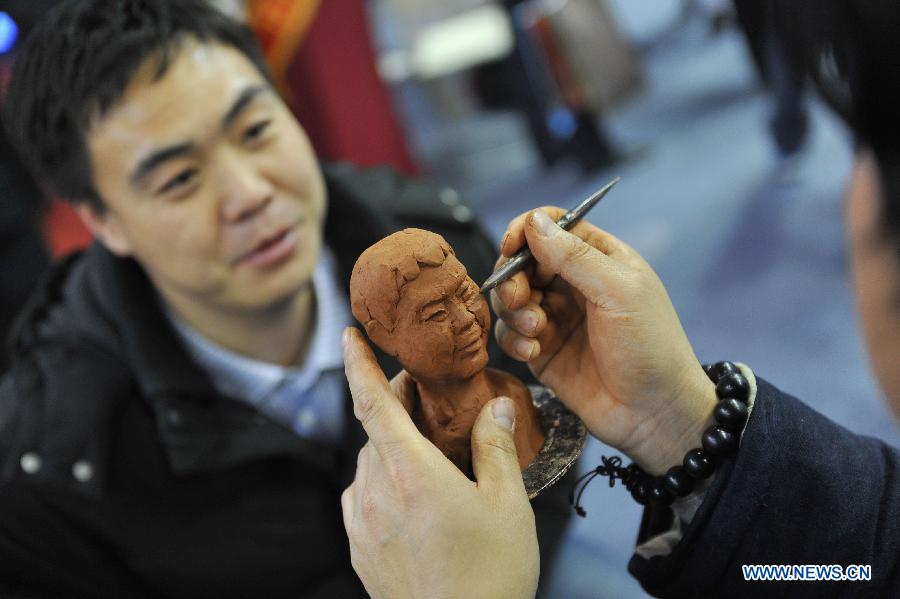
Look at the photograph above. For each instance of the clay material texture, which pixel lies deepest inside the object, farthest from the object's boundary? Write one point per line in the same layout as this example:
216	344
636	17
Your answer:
417	303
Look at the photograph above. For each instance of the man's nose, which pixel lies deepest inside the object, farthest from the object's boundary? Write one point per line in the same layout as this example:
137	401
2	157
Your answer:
245	190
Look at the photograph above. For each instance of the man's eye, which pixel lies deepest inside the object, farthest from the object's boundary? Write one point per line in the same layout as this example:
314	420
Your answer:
256	131
437	316
180	180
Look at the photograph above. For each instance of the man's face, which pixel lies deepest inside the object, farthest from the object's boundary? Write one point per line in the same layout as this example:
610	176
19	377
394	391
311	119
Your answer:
210	183
443	324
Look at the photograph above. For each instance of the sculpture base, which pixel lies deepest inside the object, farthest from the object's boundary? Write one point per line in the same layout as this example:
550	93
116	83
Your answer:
565	436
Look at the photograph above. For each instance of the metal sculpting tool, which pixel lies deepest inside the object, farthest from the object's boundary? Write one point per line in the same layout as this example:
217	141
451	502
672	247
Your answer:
567	221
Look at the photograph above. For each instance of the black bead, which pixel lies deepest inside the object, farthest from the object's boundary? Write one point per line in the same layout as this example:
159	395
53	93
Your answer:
719	441
678	482
720	369
659	494
640	492
698	464
632	476
731	414
733	385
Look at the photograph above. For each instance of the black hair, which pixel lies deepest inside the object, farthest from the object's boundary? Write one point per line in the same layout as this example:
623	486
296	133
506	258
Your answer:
77	63
850	50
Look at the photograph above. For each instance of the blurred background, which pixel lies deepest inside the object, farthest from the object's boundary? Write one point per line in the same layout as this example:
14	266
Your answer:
732	171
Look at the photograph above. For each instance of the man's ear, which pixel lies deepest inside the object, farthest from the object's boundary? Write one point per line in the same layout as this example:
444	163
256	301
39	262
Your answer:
106	228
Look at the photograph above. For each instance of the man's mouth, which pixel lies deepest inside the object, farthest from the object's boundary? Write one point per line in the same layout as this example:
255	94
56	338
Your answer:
272	248
271	241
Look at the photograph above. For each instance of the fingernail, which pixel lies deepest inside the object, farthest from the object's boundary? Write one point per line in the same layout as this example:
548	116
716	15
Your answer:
529	321
345	338
503	241
504	412
525	348
543	224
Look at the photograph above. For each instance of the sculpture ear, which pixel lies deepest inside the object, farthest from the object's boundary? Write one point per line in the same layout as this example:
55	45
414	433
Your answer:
380	336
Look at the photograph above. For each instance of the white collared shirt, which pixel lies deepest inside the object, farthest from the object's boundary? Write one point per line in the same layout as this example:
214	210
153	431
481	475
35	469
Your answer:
308	398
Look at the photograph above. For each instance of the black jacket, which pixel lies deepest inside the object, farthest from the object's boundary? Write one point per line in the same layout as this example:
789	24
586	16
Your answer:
23	257
124	474
800	490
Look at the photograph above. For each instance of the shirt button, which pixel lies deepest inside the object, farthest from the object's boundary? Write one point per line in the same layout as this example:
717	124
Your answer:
83	471
306	419
31	462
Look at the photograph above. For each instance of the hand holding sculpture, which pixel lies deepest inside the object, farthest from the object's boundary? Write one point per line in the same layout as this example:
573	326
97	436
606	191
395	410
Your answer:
417	526
417	303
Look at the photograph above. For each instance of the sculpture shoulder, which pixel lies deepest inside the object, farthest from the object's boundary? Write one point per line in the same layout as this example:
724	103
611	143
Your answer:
508	385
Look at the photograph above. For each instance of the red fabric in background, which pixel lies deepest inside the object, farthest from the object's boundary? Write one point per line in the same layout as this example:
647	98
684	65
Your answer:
63	230
338	95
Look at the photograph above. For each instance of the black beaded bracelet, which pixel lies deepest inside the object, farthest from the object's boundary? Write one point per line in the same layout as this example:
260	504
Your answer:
720	439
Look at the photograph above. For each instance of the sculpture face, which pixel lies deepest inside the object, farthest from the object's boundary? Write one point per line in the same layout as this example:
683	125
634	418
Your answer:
418	304
442	326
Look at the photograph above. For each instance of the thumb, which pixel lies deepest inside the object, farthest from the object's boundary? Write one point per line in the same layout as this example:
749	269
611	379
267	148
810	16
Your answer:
580	264
383	417
494	456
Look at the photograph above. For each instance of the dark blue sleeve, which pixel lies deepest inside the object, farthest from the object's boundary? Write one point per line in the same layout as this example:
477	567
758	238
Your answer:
801	490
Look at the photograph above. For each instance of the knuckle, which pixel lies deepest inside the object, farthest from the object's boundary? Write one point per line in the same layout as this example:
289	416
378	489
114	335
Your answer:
369	507
361	457
496	303
501	445
407	486
500	332
506	338
580	251
643	283
552	211
506	291
401	475
369	408
505	316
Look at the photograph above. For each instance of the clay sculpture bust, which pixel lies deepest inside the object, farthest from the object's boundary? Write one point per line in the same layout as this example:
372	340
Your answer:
417	303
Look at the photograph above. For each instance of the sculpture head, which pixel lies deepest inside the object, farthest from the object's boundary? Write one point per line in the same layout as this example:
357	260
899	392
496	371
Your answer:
417	303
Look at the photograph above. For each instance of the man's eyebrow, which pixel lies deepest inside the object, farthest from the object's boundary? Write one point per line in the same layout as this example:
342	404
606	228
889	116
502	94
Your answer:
148	164
241	103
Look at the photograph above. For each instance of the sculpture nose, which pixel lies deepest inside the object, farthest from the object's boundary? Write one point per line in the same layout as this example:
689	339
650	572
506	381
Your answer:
461	317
